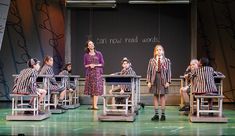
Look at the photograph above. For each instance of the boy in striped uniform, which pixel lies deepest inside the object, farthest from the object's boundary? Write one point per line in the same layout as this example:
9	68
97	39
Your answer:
126	70
25	82
159	79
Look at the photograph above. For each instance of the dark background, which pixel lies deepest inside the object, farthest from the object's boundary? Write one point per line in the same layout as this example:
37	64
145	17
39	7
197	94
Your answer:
132	31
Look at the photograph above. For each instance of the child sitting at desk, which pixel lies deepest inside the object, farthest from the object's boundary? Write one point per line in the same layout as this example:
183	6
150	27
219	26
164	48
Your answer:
53	86
184	91
126	70
67	72
203	80
69	86
25	82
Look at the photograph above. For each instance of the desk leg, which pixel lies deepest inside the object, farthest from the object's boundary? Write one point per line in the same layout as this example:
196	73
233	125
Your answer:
198	107
132	96
104	105
220	106
181	98
13	105
126	106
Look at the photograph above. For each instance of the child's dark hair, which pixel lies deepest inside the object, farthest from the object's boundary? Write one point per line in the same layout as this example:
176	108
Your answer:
66	67
204	61
125	60
32	61
46	59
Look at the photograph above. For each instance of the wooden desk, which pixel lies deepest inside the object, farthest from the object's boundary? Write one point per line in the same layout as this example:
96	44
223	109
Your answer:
202	110
65	81
134	82
19	107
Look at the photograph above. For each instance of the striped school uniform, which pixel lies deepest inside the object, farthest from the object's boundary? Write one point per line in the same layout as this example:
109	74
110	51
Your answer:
126	88
203	81
25	82
68	84
54	86
128	71
159	79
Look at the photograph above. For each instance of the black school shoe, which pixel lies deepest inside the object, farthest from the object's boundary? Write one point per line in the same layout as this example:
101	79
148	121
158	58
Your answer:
62	107
28	112
185	108
155	118
211	114
142	105
163	118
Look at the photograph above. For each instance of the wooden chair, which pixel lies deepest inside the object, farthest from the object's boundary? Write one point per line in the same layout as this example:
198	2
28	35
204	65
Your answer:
19	104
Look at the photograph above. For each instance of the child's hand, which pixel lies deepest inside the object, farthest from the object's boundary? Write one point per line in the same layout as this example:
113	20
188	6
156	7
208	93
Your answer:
70	90
149	84
38	94
167	85
186	76
111	91
122	91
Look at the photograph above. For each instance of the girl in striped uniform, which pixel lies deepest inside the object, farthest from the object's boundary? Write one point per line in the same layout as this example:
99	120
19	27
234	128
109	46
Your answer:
69	86
159	79
67	72
25	82
203	79
54	86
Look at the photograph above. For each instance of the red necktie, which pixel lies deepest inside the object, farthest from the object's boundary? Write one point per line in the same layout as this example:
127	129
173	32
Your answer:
159	65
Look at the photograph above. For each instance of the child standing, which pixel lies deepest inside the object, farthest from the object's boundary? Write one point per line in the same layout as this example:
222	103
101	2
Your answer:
158	80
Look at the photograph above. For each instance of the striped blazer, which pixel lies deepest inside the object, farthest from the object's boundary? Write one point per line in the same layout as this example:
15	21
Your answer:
25	82
165	71
129	72
203	80
67	82
54	86
47	70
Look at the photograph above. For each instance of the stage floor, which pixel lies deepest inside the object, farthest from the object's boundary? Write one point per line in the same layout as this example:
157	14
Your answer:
82	121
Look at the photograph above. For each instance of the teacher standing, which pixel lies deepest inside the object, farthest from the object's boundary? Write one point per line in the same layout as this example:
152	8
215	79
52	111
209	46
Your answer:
93	62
